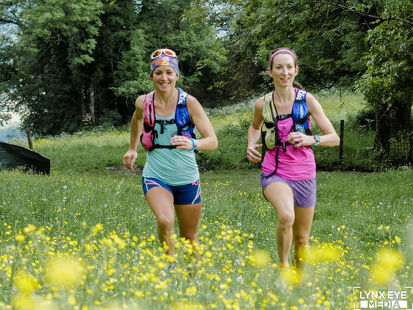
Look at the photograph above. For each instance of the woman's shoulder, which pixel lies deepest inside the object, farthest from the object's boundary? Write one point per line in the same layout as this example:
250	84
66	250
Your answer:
192	103
259	103
191	99
310	98
139	102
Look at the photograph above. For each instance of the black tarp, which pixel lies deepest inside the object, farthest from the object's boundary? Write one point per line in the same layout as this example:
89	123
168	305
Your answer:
16	157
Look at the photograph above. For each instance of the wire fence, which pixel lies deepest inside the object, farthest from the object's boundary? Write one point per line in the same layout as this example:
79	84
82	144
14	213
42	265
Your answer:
401	148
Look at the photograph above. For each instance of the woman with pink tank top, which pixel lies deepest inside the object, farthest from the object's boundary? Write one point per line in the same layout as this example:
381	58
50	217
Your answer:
288	175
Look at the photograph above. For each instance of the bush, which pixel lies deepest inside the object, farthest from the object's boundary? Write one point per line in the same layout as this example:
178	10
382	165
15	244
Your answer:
364	120
110	119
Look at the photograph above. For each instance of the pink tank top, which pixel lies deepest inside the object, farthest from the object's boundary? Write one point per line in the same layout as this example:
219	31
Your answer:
293	164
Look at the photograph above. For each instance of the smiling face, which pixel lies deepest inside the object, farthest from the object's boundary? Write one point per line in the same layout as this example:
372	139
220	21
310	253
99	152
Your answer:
164	78
283	70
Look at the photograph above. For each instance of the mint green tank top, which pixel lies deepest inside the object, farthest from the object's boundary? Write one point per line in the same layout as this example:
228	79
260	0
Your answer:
171	166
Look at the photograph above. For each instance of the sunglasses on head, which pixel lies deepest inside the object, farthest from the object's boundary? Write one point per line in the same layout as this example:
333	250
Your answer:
164	51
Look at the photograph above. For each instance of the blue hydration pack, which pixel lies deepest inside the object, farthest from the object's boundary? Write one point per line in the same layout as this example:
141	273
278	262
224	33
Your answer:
182	120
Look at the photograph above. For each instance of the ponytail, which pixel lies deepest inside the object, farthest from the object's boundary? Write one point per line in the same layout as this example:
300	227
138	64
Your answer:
297	85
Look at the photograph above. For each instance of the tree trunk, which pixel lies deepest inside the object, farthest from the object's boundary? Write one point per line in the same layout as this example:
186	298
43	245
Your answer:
29	138
383	128
92	103
83	108
402	113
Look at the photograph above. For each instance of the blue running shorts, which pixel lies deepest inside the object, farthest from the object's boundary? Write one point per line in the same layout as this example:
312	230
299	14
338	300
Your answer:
183	194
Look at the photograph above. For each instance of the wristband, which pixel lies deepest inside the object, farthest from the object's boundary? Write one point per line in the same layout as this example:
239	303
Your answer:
195	144
317	140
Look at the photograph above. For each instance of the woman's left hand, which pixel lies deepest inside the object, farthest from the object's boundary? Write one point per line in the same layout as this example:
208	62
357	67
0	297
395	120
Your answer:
181	142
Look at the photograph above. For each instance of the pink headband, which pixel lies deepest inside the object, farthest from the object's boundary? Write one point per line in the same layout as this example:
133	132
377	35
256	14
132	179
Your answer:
283	51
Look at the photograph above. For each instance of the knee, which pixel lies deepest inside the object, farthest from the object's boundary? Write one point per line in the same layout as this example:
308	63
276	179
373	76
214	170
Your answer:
286	219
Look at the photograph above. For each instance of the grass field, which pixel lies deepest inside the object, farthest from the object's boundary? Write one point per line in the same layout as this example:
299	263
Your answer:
84	237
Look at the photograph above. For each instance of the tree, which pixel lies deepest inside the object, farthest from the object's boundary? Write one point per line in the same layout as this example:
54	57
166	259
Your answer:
51	54
328	40
80	63
387	82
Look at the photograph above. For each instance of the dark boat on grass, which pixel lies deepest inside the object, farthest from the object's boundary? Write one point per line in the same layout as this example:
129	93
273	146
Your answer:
18	157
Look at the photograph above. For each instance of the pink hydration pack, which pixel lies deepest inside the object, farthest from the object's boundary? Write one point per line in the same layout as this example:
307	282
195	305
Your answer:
182	120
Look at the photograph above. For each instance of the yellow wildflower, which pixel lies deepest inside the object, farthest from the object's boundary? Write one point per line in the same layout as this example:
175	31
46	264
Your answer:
290	276
25	283
20	237
64	272
260	258
386	264
322	254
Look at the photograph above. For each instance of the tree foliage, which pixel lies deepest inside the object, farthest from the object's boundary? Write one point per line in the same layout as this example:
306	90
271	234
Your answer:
77	63
387	82
84	62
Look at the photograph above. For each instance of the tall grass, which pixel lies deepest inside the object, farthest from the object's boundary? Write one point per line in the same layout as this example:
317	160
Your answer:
105	221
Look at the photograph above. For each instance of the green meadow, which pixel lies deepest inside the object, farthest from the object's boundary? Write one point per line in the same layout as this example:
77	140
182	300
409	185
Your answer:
84	237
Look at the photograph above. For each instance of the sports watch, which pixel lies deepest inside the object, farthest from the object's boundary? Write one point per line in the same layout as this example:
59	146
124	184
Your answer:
195	144
317	140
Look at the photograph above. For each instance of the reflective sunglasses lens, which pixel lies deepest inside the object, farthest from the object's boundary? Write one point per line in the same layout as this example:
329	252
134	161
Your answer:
156	54
169	53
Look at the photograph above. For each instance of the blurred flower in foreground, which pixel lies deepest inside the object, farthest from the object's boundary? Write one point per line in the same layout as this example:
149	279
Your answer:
114	305
187	305
324	253
290	276
31	302
64	272
25	283
260	258
383	269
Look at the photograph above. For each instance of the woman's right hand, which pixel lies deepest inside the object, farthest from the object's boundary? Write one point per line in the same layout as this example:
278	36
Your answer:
252	154
129	159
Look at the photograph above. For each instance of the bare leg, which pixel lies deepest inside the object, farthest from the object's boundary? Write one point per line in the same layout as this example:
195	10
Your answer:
280	196
301	232
161	203
188	219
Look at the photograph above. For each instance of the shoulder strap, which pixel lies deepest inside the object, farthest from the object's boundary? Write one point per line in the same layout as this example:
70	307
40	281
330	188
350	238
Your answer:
267	109
182	117
300	108
272	108
149	109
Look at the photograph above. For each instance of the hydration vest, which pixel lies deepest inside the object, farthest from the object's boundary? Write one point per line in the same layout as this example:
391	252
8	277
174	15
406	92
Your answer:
182	121
269	131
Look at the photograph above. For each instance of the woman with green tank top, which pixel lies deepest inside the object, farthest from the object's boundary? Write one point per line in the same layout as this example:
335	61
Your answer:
170	177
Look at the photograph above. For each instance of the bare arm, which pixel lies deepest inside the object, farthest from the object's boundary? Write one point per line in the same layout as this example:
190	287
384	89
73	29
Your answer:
329	137
209	140
254	132
135	131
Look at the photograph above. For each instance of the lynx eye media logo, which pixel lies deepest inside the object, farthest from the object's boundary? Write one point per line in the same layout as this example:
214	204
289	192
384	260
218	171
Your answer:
387	299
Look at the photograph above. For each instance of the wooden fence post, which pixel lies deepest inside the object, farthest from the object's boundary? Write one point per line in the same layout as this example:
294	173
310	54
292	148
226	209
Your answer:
341	140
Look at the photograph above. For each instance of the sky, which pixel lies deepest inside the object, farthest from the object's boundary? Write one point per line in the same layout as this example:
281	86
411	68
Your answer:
10	130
